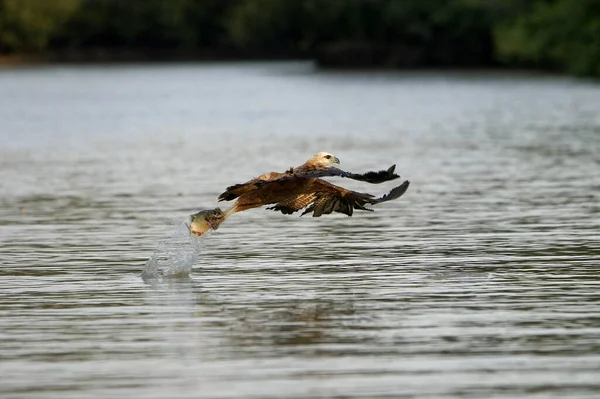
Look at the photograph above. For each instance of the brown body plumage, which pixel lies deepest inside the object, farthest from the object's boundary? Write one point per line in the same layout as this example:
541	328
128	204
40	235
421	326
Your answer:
300	188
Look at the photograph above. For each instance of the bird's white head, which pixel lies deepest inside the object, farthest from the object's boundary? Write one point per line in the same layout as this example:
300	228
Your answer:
323	159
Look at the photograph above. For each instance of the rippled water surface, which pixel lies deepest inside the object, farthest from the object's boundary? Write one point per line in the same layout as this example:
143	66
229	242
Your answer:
481	282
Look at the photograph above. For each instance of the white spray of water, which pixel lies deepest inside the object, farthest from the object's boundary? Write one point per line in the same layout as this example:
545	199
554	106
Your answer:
176	254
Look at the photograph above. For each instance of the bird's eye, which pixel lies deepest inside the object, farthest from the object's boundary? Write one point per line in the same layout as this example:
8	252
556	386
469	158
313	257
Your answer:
328	156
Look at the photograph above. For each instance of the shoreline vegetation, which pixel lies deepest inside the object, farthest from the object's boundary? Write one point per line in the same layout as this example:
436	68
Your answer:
553	35
138	55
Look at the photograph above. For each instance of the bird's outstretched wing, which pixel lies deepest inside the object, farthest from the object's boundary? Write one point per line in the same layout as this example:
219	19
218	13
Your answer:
369	177
232	192
325	198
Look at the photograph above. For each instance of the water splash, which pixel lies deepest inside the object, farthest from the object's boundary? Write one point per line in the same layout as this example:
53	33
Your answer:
176	254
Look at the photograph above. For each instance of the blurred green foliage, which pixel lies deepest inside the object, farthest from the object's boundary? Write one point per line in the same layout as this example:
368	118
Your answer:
560	34
27	25
557	34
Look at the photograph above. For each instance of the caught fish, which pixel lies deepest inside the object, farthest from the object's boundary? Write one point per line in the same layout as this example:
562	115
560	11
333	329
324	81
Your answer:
208	219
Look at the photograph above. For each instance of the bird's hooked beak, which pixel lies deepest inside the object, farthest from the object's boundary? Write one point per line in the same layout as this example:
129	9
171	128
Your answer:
336	160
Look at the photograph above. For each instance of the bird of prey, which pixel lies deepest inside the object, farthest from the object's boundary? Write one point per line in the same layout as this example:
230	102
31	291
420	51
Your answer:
299	188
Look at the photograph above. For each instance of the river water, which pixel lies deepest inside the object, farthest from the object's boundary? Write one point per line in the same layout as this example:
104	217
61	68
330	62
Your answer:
481	282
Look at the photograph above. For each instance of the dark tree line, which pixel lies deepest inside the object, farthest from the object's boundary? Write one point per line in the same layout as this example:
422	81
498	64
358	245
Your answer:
563	35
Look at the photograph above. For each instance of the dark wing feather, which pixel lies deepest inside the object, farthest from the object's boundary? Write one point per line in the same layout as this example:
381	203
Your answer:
394	194
232	192
293	204
326	198
346	202
326	203
369	177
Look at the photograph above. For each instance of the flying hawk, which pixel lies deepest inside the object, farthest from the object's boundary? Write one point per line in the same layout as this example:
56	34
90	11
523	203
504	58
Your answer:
299	188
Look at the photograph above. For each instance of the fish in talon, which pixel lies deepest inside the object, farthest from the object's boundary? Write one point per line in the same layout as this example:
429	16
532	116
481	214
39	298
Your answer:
208	219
